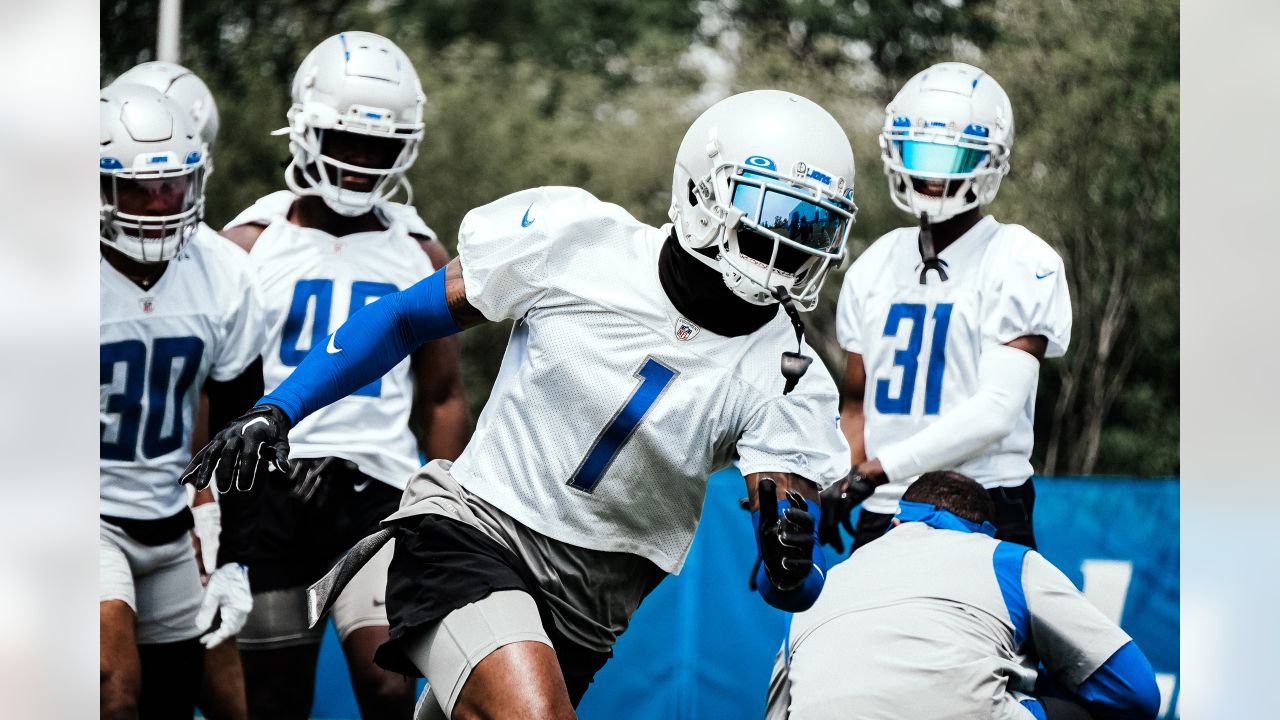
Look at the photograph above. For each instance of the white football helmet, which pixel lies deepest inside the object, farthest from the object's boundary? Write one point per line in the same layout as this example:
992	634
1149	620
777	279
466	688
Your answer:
950	123
182	86
151	164
361	83
766	179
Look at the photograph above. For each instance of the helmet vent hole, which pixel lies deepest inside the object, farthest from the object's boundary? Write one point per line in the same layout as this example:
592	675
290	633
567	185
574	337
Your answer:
693	197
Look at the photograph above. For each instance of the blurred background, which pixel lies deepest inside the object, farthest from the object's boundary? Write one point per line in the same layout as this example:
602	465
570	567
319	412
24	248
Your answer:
598	93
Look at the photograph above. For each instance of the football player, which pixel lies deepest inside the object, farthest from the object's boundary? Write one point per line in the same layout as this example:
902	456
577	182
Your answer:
222	688
178	313
642	359
946	323
326	247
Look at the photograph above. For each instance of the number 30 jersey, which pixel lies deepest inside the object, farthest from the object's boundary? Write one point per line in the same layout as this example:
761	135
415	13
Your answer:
920	344
310	282
610	409
201	319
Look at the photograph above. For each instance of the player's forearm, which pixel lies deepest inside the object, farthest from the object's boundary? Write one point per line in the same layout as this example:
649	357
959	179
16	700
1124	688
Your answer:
853	424
1006	378
447	427
371	342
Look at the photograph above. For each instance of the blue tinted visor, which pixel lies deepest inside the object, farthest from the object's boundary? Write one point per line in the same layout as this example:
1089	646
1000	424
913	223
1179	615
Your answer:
935	158
801	221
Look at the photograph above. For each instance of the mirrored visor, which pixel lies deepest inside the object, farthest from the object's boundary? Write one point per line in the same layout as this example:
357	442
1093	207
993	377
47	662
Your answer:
796	219
935	158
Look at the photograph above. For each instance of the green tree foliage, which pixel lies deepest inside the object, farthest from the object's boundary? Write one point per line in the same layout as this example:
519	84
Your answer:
598	94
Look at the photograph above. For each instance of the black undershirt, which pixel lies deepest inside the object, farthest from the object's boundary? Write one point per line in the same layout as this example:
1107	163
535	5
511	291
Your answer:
699	293
951	229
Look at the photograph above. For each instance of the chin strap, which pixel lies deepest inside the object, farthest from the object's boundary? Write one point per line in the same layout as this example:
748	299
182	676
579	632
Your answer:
930	258
794	364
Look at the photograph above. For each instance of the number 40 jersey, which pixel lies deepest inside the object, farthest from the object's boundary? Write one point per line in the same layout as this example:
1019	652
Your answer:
920	344
610	409
310	282
201	319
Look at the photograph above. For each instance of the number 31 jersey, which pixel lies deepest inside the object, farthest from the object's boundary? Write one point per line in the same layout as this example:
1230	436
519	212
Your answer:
310	282
920	344
610	409
201	319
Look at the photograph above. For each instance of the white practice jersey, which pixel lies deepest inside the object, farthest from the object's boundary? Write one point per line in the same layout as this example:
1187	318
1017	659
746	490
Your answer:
310	282
920	344
201	320
610	409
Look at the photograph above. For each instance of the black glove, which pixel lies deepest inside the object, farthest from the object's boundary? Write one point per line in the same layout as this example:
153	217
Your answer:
314	479
786	542
838	502
232	457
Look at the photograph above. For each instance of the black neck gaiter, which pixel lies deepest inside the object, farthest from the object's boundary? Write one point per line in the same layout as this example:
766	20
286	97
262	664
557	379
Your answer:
699	293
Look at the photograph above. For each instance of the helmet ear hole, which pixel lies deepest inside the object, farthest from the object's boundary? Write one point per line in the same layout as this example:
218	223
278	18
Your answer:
693	197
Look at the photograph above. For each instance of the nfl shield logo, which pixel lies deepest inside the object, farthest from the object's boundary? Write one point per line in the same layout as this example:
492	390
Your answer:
685	330
148	304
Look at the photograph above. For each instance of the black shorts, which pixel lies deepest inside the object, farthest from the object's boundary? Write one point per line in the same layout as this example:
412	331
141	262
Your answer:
298	541
441	565
1013	506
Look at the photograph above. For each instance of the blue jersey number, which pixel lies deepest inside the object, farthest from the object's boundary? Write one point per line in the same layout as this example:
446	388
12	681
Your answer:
909	359
319	294
654	378
173	366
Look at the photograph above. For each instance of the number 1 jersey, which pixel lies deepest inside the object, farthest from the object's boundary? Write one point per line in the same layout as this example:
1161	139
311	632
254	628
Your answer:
310	282
920	344
610	409
202	319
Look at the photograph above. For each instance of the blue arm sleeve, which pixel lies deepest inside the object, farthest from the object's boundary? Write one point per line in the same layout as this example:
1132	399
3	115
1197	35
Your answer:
803	597
371	342
1124	688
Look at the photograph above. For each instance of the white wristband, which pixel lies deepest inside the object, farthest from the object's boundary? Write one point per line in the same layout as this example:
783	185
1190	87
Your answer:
1006	379
208	521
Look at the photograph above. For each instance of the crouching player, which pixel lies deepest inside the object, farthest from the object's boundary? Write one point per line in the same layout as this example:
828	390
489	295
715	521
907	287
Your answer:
178	313
957	623
642	359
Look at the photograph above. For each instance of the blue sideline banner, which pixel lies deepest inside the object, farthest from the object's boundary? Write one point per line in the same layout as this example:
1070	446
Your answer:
702	645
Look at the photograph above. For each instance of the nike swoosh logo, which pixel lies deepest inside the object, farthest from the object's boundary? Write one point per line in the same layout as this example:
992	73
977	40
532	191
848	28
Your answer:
332	348
525	221
1041	277
359	487
253	422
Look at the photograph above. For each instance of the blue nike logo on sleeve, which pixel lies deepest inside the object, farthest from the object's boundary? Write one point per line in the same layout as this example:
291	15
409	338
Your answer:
525	221
1041	277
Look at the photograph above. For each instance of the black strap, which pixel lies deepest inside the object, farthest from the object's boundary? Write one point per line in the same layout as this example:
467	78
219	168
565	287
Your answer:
794	364
927	254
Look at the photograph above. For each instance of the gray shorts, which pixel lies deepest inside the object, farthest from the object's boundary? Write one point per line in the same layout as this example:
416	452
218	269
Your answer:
160	583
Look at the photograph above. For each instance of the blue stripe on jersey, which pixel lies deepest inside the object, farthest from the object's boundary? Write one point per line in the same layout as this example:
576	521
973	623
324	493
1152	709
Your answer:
654	378
1008	566
1034	707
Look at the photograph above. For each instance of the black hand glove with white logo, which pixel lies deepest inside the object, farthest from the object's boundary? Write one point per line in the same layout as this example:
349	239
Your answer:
248	446
787	540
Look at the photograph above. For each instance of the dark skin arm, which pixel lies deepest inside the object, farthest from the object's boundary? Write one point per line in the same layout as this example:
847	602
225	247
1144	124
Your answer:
786	481
854	385
440	403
